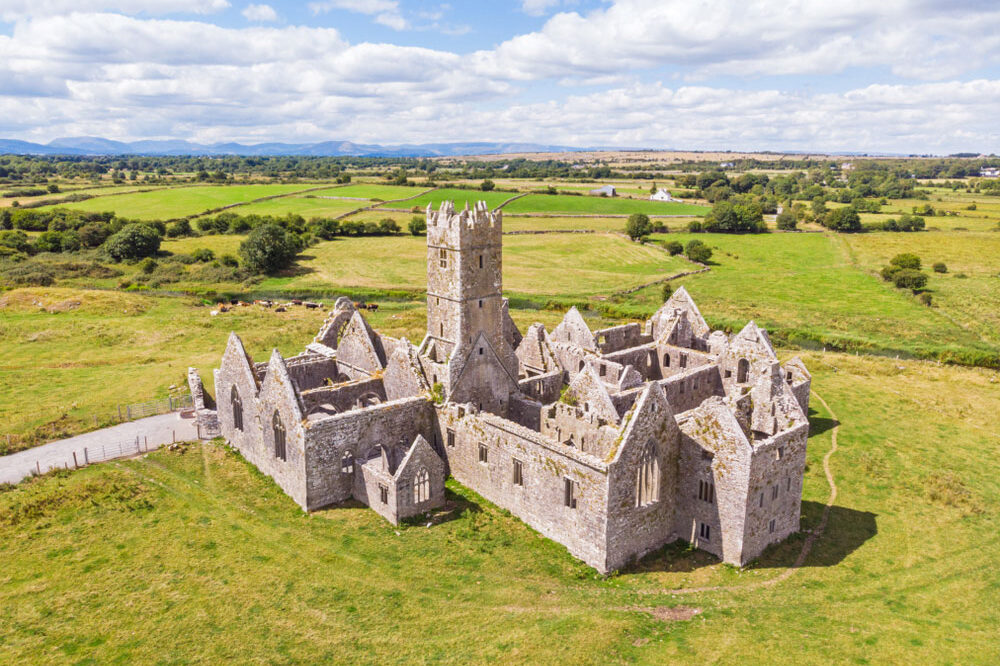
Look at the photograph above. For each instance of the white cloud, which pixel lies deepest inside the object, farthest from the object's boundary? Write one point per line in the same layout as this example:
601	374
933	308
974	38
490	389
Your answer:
386	12
13	9
260	13
538	7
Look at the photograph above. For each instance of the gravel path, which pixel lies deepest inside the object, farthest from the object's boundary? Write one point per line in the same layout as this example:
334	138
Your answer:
155	430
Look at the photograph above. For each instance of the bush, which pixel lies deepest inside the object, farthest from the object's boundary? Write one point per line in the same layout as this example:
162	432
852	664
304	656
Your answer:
229	260
940	267
698	251
179	228
27	274
487	185
674	247
71	241
926	299
388	226
418	225
638	226
786	220
268	248
49	241
203	254
694	227
93	234
906	260
134	241
148	265
971	206
842	219
735	218
16	240
908	278
666	291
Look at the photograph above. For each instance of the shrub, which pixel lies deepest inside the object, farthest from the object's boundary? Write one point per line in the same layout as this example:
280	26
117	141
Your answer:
666	291
638	226
694	227
674	247
388	226
971	206
203	254
16	240
71	241
487	185
134	241
179	228
940	267
268	248
786	220
49	241
229	260
842	219
27	274
908	278
926	299
93	234
906	260
734	218
148	265
698	251
418	225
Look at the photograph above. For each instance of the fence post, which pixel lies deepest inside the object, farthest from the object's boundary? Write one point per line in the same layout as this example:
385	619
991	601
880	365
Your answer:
38	468
170	403
86	458
145	440
174	436
76	465
128	410
119	413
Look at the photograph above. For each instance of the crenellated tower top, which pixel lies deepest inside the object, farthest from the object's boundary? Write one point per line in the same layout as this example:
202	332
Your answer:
475	227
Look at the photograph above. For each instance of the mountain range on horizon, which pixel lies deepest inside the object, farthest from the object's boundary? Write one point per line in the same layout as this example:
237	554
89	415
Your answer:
98	146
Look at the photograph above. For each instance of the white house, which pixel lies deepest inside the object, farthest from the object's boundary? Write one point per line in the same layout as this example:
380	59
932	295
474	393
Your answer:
989	172
662	195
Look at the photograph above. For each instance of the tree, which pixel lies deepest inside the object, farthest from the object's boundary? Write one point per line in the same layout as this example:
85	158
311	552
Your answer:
674	247
93	234
487	185
638	226
268	248
179	228
418	225
842	219
698	251
786	220
666	291
908	278
133	241
734	218
388	226
906	260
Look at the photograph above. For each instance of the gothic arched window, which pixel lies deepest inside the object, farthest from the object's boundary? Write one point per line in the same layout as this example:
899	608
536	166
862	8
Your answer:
647	485
742	370
279	437
237	405
421	486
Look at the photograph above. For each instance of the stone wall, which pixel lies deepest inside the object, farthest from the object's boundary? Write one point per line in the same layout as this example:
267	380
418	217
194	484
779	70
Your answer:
540	501
688	390
357	432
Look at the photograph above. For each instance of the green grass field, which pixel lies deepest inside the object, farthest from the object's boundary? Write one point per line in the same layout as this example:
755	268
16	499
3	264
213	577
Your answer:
194	556
372	191
305	206
459	197
545	203
806	288
570	265
181	201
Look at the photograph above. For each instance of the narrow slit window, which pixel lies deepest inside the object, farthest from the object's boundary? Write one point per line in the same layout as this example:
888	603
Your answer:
569	493
443	256
518	473
383	493
451	438
705	531
484	454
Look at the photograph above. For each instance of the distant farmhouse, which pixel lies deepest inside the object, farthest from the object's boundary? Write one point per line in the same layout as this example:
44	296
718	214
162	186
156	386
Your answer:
612	442
662	195
605	191
989	172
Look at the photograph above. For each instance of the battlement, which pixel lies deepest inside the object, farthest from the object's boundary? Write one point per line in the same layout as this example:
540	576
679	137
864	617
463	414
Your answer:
475	226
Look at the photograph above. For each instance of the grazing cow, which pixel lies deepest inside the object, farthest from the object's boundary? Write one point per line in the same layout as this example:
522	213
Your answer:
373	307
296	301
311	305
280	308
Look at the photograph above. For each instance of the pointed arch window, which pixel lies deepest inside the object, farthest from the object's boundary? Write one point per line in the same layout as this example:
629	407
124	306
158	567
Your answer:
237	405
742	370
647	486
422	486
279	437
347	463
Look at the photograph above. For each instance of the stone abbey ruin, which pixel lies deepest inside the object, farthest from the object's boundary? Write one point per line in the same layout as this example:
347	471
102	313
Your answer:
612	442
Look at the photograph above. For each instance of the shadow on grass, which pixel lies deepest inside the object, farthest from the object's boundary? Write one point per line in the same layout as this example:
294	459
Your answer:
846	531
455	506
820	424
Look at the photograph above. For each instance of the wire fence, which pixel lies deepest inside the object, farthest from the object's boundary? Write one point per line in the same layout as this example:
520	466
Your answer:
87	455
140	410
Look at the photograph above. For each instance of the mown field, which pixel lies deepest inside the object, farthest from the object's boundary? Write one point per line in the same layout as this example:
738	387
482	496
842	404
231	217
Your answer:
182	201
560	203
458	197
193	556
807	289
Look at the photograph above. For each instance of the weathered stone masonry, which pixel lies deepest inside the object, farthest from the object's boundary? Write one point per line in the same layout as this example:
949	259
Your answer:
612	442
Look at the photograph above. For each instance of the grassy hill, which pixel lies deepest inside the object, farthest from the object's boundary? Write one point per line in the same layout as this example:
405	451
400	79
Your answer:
193	556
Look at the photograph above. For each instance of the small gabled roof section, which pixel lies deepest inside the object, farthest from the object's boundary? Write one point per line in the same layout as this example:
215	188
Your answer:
591	394
574	329
647	419
755	336
279	385
359	346
681	300
420	449
464	359
715	427
236	353
797	368
534	350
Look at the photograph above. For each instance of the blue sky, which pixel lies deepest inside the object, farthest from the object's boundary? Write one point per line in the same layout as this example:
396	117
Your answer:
852	75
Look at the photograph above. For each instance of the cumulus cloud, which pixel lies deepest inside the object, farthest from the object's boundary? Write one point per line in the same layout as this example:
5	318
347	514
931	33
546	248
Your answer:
539	7
386	12
130	76
260	13
14	9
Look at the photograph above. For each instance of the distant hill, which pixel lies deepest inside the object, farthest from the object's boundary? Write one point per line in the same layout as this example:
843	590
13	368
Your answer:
90	145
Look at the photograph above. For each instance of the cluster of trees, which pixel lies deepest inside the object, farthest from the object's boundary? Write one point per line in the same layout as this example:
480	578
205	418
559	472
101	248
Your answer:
737	215
903	271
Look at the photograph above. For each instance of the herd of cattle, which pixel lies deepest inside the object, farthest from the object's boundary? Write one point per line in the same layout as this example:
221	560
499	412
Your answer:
283	307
